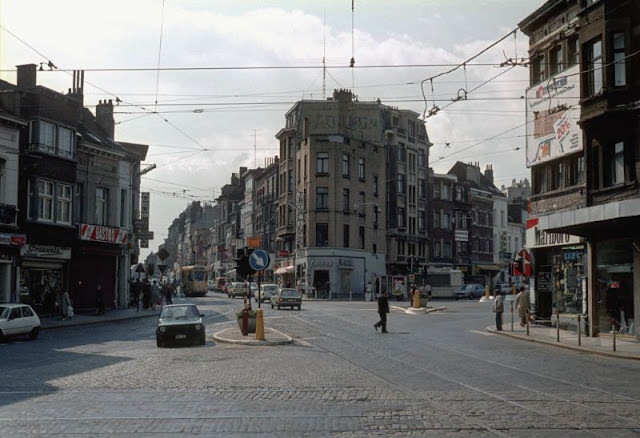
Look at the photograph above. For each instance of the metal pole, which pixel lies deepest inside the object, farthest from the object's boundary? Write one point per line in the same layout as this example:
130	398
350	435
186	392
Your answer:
557	326
511	315
579	330
613	329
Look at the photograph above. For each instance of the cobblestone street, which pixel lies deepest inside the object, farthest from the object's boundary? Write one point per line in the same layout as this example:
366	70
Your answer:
433	375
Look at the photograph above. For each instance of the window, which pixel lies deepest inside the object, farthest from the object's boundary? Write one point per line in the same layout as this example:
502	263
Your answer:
537	69
446	221
361	169
290	181
436	190
401	184
446	249
375	186
102	196
45	200
322	163
345	236
593	68
63	203
411	127
124	201
322	234
446	192
619	70
556	60
346	164
436	219
572	51
421	188
402	217
65	141
402	153
421	220
361	237
345	199
613	163
46	139
322	198
421	162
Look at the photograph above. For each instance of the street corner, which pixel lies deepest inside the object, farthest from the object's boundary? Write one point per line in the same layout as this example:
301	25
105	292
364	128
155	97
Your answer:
233	335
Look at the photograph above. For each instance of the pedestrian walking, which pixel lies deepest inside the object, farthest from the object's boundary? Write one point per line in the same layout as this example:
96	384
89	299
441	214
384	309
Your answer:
522	304
99	300
498	308
168	293
383	309
155	295
67	308
146	293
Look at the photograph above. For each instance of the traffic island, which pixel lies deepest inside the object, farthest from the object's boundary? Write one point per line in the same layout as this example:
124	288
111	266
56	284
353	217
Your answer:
233	336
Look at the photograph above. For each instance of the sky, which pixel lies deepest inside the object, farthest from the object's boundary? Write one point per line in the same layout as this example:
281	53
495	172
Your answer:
206	83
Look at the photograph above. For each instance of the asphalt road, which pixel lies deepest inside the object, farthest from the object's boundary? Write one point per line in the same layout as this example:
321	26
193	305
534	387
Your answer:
437	374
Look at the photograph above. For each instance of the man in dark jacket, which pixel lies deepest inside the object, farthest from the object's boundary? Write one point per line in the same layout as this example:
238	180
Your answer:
383	309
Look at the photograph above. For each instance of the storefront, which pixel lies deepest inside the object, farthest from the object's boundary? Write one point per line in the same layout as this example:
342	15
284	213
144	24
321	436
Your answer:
9	251
560	268
44	276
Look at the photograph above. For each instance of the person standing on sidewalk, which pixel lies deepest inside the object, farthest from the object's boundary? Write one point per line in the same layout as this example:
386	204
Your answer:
383	309
99	300
67	309
522	304
498	308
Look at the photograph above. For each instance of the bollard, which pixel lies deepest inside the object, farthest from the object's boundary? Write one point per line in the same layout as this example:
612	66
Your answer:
613	329
259	325
527	318
579	331
557	326
245	322
416	299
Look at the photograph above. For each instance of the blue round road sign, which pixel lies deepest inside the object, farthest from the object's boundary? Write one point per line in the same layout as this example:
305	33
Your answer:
259	260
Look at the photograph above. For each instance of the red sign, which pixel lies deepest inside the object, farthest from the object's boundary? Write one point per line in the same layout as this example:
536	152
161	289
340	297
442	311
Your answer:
524	257
98	233
283	253
18	240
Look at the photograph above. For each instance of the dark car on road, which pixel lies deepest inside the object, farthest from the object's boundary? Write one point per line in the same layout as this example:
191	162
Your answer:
470	291
286	297
180	324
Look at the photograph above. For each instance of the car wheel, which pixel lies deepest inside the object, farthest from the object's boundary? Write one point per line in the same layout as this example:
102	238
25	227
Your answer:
278	307
33	334
1	336
299	307
203	340
159	344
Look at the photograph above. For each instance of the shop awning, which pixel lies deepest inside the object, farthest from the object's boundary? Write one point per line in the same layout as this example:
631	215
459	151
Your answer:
617	218
284	270
488	267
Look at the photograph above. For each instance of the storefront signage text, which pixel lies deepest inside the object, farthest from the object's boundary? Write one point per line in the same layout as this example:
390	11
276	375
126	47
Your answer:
43	251
98	233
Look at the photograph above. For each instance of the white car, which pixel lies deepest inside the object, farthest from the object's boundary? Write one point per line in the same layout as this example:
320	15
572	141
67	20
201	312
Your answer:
18	319
267	290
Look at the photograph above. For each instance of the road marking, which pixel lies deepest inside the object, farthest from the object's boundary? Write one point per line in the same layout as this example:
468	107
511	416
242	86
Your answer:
478	332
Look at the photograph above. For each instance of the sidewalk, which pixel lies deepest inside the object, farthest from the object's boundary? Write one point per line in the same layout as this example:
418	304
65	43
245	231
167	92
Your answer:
627	347
51	322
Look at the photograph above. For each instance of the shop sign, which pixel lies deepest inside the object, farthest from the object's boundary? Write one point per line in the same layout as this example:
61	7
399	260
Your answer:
12	239
44	251
537	238
345	263
283	253
98	233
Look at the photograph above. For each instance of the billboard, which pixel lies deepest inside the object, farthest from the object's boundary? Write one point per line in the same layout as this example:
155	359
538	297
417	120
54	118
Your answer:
553	112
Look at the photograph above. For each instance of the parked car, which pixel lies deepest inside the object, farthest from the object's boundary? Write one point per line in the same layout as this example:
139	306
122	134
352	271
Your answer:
286	297
267	290
470	291
236	289
17	320
180	324
503	289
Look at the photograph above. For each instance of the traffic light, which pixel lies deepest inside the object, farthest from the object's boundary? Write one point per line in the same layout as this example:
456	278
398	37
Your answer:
242	262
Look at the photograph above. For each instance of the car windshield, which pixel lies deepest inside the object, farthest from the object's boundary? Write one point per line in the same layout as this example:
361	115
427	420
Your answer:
179	312
289	293
4	312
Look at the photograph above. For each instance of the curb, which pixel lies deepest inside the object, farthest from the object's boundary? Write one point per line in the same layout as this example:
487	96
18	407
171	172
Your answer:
219	336
76	323
414	311
565	346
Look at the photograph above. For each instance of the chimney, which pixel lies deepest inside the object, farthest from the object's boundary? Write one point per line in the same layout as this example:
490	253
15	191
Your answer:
104	117
26	76
488	173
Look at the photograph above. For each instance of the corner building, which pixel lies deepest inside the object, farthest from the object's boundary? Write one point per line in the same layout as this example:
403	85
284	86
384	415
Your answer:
333	204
